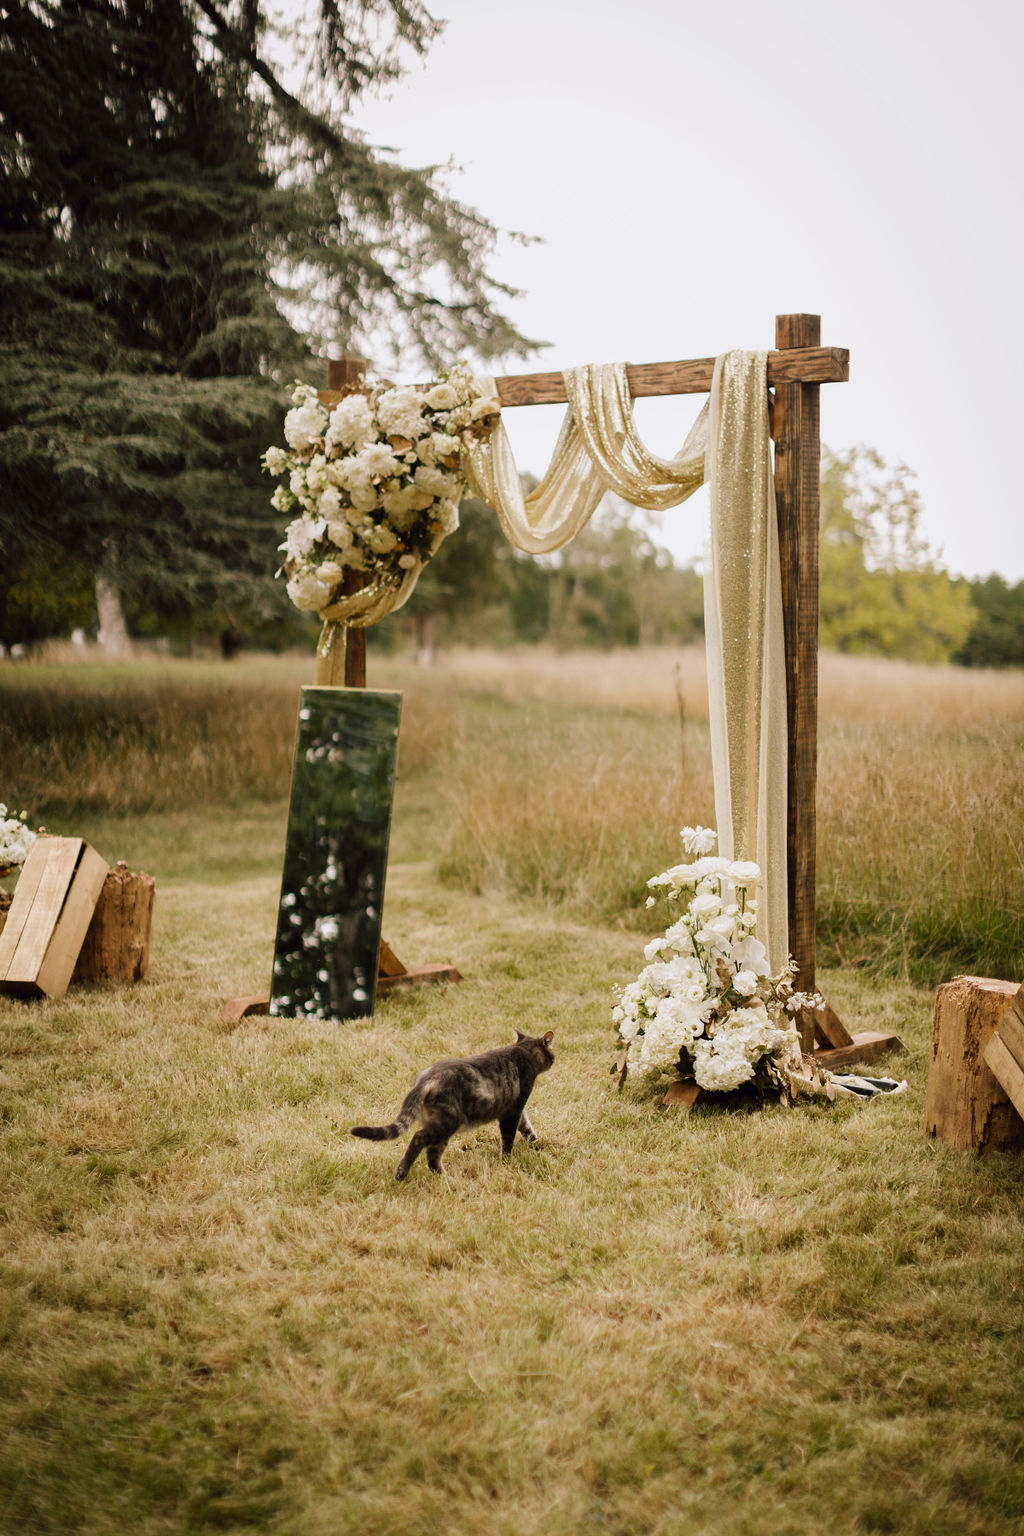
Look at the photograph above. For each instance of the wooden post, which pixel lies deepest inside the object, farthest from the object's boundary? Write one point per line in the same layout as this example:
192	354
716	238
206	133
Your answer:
347	376
116	946
797	472
965	1104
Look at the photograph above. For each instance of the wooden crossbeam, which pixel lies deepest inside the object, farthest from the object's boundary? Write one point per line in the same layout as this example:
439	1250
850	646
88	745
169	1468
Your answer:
795	365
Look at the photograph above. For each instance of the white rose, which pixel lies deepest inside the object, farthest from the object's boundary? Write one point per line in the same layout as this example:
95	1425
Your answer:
743	872
745	983
441	398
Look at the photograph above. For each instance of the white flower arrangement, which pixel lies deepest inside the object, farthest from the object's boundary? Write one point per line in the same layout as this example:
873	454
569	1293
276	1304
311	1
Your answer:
16	839
704	1006
374	483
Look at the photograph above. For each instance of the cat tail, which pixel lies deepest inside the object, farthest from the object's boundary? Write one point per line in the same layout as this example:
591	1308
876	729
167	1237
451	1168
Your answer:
405	1117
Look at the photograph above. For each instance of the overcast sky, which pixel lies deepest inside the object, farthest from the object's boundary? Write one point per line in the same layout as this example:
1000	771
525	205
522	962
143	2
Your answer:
691	170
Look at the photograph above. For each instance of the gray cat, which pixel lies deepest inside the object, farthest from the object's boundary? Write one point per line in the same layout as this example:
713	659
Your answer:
466	1091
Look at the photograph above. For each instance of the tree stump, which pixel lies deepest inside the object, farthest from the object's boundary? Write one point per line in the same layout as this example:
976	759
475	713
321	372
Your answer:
964	1104
116	946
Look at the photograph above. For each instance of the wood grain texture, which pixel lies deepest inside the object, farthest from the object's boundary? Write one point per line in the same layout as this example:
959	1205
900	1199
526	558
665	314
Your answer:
1007	1071
813	364
964	1103
117	943
797	472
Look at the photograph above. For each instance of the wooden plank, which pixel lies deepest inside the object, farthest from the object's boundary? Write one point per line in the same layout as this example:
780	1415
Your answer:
413	978
73	923
388	963
58	857
865	1047
829	1029
1011	1028
797	471
241	1007
811	364
32	872
1006	1070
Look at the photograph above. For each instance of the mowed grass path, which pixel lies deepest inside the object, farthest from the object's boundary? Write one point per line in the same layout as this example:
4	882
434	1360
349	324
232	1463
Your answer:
221	1313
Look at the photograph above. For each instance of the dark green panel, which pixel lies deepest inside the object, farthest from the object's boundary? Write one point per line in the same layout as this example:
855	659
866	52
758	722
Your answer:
336	855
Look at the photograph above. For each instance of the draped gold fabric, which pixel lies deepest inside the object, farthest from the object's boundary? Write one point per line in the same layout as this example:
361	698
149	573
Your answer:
599	450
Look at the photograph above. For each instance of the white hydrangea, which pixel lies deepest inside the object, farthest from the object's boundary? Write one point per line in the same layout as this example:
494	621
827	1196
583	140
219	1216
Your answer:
16	839
308	592
400	413
305	424
351	424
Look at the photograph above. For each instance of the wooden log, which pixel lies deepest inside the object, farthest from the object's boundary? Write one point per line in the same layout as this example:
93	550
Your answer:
691	376
116	946
797	472
54	900
965	1105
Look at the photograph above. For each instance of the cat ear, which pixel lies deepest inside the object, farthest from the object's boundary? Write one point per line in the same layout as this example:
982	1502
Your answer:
518	1034
549	1037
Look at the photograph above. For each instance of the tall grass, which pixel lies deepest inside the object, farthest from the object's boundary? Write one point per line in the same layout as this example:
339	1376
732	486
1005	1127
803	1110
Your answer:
566	778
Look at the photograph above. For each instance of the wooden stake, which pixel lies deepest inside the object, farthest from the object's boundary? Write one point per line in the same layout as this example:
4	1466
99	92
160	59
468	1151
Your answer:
347	376
797	471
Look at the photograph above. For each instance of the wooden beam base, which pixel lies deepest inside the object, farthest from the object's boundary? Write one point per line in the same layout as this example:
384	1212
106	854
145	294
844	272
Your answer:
865	1047
391	974
413	978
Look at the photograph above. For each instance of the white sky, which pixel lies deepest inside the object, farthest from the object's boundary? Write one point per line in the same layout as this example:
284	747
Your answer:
694	169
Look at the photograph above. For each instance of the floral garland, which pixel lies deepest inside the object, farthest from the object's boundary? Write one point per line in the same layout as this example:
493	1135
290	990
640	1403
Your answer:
704	1006
16	839
376	483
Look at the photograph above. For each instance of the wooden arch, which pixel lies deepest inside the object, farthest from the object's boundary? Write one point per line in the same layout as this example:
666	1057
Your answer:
797	367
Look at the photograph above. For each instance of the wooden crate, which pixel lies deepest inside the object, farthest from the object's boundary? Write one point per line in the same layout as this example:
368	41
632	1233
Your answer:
54	900
1004	1053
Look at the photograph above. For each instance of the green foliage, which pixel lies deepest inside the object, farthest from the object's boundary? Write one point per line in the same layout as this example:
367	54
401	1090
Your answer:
171	216
881	590
612	586
996	638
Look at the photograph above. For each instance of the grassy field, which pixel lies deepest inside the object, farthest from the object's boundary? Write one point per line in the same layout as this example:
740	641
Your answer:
219	1312
566	778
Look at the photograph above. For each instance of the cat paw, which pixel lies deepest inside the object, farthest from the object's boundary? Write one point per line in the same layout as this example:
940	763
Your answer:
400	1172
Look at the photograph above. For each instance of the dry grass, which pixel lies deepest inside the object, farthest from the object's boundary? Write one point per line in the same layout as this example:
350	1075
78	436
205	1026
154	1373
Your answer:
567	777
219	1312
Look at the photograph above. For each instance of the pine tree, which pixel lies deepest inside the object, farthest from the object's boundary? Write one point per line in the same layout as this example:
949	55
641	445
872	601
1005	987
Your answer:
162	194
